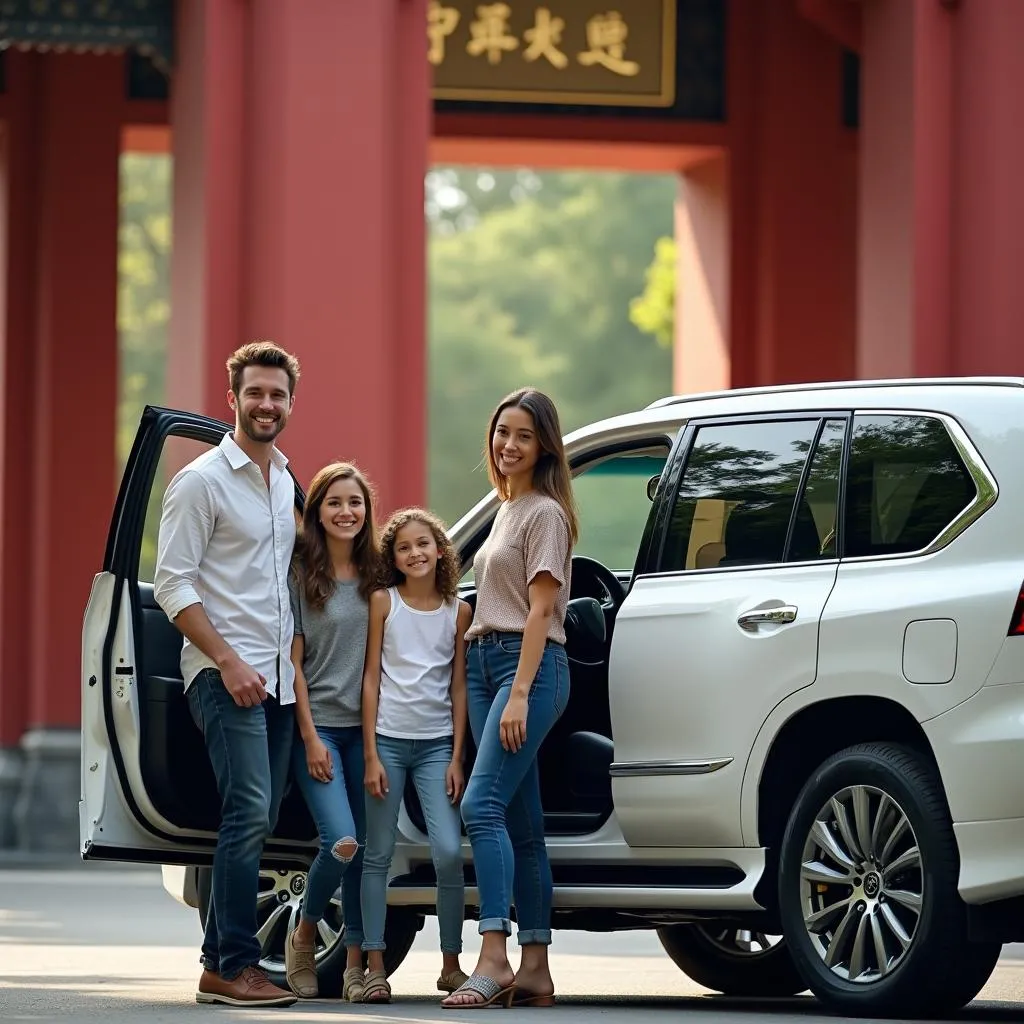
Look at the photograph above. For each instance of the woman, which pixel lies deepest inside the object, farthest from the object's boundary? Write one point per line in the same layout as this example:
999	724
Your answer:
517	679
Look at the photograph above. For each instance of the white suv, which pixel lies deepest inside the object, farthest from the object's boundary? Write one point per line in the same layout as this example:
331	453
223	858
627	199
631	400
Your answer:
796	733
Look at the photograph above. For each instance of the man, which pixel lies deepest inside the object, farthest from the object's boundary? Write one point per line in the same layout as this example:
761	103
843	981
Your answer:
226	536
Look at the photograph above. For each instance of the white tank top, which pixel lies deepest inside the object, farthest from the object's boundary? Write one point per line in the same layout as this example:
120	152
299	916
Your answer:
416	671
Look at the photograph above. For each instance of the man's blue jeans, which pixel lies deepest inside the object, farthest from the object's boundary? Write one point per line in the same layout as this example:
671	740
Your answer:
502	810
427	761
249	750
338	808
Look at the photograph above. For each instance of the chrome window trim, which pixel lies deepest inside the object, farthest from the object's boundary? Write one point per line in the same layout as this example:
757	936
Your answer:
986	487
647	769
757	567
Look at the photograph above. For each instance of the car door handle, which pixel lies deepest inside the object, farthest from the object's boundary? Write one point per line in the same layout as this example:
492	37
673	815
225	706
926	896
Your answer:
767	616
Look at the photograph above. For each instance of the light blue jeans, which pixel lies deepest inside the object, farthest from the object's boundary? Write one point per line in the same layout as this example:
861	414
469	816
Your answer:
502	809
337	809
427	761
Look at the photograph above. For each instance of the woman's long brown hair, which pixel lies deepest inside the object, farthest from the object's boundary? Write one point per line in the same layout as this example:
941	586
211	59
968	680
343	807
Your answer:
312	561
551	475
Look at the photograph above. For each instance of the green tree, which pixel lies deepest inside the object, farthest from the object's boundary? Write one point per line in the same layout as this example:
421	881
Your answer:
654	310
144	306
537	291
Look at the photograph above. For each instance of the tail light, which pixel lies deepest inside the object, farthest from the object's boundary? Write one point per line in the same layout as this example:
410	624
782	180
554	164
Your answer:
1017	619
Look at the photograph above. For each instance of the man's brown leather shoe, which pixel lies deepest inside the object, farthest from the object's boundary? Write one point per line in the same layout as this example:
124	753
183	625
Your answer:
251	988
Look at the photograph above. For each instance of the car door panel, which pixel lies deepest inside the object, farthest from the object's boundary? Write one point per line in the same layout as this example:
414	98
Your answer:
683	732
722	621
138	733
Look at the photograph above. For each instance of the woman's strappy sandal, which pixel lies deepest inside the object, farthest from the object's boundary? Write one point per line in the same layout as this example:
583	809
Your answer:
451	981
353	984
377	989
490	992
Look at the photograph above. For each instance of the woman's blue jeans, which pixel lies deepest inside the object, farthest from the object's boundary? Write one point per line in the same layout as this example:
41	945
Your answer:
338	809
427	762
502	810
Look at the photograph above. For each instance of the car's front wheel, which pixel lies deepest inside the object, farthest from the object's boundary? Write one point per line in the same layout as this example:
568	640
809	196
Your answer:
277	914
868	889
731	960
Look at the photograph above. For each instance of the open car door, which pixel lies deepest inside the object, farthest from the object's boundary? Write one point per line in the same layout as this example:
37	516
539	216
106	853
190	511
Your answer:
148	790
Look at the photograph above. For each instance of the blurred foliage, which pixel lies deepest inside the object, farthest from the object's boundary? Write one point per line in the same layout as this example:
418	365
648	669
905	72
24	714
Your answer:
654	311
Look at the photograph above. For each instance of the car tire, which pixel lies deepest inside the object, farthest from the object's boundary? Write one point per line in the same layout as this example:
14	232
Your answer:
721	957
868	889
280	896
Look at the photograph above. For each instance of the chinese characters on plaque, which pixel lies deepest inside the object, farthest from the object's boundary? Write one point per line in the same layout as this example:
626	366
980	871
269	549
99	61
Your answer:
561	51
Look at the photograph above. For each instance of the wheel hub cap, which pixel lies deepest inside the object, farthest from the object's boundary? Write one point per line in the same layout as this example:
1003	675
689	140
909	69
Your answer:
861	884
277	914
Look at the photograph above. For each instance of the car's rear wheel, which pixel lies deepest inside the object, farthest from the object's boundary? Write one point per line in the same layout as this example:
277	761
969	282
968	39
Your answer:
731	960
277	914
868	889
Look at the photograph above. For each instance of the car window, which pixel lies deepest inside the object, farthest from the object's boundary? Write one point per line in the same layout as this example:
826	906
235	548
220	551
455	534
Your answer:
737	495
177	452
814	525
906	484
611	496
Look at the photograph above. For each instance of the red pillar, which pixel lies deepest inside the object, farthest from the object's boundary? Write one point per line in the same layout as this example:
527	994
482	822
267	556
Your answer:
701	356
942	213
75	340
18	211
988	216
905	190
793	200
59	207
307	226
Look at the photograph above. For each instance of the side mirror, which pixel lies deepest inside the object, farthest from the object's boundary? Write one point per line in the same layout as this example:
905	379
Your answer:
652	487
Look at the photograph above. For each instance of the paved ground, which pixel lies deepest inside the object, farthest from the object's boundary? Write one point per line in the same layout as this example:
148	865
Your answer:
106	947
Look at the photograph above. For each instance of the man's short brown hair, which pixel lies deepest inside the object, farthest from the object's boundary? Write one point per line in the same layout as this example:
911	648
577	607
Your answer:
262	353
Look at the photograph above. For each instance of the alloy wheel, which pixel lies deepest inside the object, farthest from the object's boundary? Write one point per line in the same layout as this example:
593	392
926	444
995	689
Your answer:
739	942
861	884
277	914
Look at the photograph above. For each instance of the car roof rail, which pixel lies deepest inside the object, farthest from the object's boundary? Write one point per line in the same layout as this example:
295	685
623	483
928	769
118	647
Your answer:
771	389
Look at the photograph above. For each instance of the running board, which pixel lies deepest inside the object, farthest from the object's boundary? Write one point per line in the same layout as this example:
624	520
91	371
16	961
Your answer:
718	887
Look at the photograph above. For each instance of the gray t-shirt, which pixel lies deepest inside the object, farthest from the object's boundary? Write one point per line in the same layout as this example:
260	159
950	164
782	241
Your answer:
335	642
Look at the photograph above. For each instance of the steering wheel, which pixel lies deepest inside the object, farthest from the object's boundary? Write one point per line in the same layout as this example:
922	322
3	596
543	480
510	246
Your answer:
590	568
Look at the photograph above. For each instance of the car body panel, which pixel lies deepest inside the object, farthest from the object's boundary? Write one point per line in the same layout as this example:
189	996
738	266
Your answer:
852	642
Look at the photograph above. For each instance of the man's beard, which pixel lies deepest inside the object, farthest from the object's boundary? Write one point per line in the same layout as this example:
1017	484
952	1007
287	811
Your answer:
260	434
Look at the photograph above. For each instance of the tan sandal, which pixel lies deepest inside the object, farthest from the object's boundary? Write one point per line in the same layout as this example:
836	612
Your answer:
377	989
300	969
451	981
353	984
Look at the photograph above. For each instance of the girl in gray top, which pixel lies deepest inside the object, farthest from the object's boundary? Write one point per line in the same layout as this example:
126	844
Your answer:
334	573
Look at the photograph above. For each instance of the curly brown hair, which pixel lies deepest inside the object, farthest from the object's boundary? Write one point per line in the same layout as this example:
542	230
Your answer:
446	575
312	561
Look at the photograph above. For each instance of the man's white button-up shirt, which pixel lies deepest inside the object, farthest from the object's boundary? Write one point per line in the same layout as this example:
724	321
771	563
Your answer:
226	542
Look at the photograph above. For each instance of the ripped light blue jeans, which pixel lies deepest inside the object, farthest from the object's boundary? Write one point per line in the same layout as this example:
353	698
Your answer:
501	808
339	810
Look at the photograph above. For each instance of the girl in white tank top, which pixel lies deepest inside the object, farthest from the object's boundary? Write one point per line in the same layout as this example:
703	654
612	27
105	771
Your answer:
414	725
